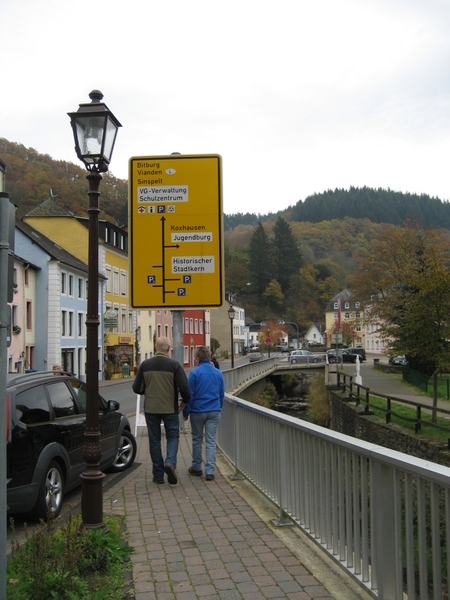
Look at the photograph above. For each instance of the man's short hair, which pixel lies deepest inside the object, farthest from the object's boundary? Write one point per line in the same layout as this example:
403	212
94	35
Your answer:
202	353
162	344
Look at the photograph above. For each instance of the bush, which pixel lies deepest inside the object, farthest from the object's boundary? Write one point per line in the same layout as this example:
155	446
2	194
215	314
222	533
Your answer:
319	405
68	564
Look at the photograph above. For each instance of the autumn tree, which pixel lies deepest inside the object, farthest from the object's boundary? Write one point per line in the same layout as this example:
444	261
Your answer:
404	281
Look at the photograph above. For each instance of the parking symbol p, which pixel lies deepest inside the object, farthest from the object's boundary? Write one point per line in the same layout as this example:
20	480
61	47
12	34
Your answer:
182	291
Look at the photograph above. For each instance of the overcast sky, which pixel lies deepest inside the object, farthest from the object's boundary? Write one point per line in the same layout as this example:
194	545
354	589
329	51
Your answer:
296	96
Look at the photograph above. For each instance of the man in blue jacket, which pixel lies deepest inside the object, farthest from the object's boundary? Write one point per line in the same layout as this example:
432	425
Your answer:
207	390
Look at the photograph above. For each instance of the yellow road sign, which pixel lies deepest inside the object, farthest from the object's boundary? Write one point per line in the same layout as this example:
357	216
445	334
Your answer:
176	231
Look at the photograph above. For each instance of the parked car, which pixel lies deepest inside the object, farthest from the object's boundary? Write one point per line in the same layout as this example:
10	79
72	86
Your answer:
285	349
359	351
398	360
46	422
344	356
254	356
304	356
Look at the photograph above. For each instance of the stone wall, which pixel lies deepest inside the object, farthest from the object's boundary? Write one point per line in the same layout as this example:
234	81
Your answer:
350	419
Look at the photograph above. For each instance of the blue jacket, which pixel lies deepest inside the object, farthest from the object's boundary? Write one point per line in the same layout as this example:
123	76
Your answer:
207	388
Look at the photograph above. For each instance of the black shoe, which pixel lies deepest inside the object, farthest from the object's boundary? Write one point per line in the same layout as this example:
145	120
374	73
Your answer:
171	475
195	473
158	480
209	477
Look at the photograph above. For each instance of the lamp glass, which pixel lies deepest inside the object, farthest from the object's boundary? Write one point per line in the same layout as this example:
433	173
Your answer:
89	132
231	313
109	139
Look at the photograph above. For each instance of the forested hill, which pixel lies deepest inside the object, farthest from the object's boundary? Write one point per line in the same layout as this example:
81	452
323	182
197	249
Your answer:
378	206
32	177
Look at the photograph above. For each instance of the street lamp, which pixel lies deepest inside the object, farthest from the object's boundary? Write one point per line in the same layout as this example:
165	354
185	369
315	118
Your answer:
95	130
231	315
268	338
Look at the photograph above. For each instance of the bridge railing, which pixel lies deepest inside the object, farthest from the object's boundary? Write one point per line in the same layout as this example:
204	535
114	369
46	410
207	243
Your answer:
383	516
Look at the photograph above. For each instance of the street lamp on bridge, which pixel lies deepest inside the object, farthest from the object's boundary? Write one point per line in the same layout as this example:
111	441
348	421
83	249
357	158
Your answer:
231	316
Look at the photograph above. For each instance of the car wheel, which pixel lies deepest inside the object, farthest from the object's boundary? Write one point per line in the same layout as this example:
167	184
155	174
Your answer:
51	492
315	360
331	359
126	452
293	361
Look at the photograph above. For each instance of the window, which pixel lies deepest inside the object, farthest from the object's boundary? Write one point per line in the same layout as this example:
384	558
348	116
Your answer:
63	323
196	326
130	321
61	400
29	316
80	328
123	319
336	305
185	354
123	283
70	324
159	331
186	325
80	288
357	305
346	315
26	276
32	406
150	333
116	282
347	305
108	278
201	326
358	315
70	285
63	283
358	328
191	325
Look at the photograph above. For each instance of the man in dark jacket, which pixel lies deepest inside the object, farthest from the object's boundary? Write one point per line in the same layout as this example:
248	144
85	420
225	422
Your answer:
161	379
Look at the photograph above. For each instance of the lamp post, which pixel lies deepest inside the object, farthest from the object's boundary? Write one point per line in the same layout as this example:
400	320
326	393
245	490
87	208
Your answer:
268	338
95	130
231	315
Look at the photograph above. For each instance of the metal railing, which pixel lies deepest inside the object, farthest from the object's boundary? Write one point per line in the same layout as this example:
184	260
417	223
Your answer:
383	516
361	396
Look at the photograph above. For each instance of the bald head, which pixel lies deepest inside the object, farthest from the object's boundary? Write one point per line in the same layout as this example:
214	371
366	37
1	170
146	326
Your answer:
162	344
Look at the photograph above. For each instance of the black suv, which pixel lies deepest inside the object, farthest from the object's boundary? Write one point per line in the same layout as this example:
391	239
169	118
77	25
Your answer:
360	351
46	422
344	356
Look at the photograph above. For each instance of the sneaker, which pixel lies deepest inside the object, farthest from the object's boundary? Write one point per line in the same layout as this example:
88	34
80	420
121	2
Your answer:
171	475
158	480
195	473
209	477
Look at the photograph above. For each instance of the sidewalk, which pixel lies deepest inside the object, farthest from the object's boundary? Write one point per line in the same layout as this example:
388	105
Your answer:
214	540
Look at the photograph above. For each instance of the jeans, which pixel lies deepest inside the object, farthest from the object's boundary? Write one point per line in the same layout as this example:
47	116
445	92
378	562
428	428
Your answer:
207	422
172	428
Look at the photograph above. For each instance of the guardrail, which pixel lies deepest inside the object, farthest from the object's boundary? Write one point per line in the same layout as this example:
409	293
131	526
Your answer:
361	395
383	516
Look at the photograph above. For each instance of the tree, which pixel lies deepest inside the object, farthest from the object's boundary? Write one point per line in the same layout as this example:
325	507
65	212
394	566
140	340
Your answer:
260	259
287	258
274	294
404	281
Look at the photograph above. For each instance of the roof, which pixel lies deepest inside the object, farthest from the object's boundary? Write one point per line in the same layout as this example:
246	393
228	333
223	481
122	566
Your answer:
49	208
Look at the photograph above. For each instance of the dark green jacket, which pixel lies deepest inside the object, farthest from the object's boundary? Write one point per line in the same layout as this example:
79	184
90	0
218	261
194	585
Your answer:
162	380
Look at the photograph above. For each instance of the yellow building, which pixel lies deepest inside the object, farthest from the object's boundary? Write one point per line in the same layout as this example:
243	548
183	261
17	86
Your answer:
71	233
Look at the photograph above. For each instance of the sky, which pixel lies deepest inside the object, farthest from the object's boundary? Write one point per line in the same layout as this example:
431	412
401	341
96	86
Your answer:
297	96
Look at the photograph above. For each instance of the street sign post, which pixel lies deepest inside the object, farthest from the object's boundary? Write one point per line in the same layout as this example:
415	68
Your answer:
176	232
